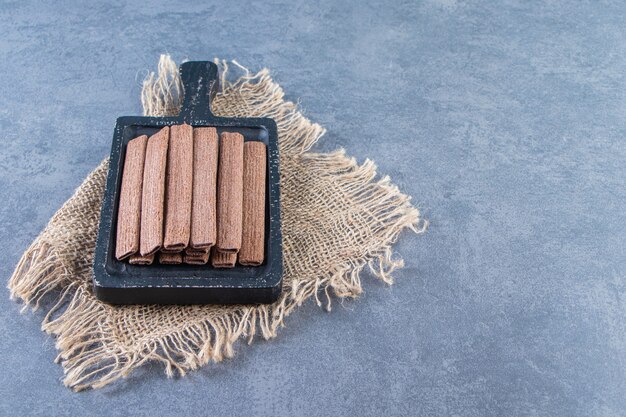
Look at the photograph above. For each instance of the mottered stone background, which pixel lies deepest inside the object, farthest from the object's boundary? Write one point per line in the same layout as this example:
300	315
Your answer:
504	120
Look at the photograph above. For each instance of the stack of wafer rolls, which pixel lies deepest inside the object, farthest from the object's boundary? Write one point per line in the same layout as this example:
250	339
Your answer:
190	196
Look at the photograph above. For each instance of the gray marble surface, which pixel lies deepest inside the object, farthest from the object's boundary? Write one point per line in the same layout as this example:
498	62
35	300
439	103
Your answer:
504	120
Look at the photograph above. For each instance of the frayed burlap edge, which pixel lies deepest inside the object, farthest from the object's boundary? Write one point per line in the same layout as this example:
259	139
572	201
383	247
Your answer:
87	351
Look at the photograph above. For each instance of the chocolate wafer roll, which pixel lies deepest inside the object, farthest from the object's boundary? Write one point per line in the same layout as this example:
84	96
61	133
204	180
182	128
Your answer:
223	260
196	252
197	259
253	229
203	211
129	209
230	193
179	188
170	258
151	236
141	260
171	252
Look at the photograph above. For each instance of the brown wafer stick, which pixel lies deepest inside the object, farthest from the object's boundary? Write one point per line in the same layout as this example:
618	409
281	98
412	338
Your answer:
223	260
170	258
197	259
171	252
203	216
252	250
153	192
129	210
196	252
230	193
179	188
141	260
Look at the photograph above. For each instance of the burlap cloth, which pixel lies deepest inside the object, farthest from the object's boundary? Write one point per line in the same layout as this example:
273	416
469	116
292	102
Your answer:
337	219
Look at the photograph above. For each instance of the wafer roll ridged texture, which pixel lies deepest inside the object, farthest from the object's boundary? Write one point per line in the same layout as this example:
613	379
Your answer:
197	259
141	260
203	211
222	259
151	237
252	250
170	258
129	209
179	188
230	192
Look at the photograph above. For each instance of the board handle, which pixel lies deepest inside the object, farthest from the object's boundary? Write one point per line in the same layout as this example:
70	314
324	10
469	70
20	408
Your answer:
200	83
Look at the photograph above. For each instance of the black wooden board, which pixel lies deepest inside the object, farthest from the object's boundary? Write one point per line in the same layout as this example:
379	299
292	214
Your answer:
121	283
